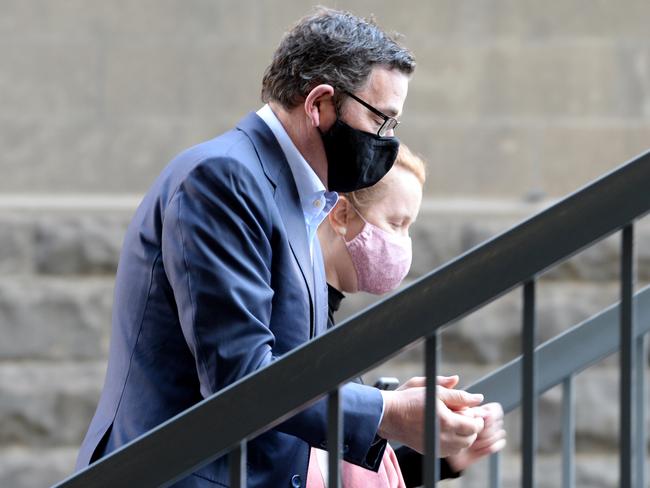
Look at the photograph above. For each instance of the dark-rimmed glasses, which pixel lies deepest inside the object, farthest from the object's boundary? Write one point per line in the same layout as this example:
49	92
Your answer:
390	123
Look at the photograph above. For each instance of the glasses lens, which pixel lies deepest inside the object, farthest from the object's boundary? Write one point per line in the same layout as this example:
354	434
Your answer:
389	124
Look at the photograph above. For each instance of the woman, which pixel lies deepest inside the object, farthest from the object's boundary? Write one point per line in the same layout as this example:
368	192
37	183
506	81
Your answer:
366	247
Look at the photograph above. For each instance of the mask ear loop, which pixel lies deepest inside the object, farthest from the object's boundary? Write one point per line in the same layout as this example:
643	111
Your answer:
370	224
356	210
342	231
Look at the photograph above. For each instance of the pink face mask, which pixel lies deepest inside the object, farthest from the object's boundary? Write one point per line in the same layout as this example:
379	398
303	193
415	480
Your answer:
381	259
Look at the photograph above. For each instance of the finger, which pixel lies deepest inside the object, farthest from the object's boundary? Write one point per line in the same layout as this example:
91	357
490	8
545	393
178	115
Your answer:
457	399
471	412
453	444
462	425
492	414
466	441
416	381
492	423
489	432
482	442
420	381
491	449
493	410
448	381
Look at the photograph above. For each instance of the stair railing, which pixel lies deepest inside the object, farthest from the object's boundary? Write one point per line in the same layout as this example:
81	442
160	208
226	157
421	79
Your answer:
222	423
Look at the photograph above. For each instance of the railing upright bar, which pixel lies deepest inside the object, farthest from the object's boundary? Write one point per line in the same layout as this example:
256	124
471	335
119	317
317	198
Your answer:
641	392
568	434
237	462
626	357
431	447
529	378
334	439
495	470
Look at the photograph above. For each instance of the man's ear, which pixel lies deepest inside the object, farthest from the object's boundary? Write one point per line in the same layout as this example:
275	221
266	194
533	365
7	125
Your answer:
316	105
339	217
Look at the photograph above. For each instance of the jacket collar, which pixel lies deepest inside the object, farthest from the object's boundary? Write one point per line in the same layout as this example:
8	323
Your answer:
277	170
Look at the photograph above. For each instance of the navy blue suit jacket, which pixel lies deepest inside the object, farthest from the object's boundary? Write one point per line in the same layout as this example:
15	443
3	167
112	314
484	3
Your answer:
215	281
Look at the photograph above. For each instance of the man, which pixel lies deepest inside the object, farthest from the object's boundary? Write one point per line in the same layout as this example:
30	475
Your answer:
221	274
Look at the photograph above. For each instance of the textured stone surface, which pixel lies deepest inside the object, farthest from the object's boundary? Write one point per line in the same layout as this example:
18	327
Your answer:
442	233
89	242
17	244
509	97
46	405
61	243
512	99
54	318
79	245
593	471
492	334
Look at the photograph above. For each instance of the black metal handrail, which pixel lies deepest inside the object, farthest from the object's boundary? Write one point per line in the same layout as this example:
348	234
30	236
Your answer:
566	355
563	357
225	420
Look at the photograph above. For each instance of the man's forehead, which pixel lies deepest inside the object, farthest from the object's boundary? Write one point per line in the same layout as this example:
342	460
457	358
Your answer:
386	90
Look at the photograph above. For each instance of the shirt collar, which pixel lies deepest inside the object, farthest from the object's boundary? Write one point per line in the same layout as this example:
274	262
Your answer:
310	188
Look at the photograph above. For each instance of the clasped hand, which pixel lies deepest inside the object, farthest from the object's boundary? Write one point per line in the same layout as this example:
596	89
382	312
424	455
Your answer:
468	430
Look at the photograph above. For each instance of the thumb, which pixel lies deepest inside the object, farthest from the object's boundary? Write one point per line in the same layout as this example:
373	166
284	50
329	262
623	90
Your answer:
457	399
415	382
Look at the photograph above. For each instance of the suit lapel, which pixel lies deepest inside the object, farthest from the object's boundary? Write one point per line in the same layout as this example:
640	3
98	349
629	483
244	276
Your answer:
277	170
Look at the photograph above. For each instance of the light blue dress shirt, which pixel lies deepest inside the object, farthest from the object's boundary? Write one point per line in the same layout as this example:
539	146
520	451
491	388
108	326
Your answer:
315	200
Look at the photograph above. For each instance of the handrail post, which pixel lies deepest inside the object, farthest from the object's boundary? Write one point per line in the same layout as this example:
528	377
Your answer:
627	357
334	438
528	387
206	430
568	433
641	392
495	470
431	425
237	462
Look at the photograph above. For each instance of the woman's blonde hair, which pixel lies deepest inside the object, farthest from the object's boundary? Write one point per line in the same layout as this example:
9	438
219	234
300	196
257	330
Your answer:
407	160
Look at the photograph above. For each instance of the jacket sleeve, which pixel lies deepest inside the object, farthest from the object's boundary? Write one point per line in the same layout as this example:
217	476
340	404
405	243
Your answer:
217	252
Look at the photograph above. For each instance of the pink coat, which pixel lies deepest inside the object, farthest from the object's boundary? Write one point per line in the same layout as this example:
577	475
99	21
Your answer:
353	476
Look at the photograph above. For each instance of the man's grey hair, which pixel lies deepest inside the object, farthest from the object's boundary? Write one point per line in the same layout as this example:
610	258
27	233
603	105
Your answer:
332	47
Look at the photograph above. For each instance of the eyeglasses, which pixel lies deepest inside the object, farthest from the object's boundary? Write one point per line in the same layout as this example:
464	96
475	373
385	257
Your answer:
390	123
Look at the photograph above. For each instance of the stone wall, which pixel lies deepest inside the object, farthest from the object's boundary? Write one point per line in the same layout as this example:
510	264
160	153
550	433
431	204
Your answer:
55	305
511	97
514	102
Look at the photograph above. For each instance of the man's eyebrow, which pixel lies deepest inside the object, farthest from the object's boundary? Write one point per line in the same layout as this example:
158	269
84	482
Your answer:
391	112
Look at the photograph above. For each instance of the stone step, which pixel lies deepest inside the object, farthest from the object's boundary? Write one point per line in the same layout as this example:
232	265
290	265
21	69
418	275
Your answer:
54	318
447	228
82	235
591	470
22	467
44	404
40	237
31	467
492	334
58	318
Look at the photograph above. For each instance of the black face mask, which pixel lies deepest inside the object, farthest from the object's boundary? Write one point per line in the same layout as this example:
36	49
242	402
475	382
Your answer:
356	159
